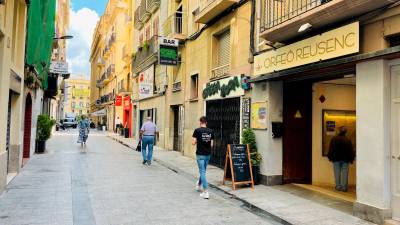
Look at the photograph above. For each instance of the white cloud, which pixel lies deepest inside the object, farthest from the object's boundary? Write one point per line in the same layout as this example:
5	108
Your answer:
82	25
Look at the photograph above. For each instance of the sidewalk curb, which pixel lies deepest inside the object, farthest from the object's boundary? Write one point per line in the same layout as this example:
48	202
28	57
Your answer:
249	206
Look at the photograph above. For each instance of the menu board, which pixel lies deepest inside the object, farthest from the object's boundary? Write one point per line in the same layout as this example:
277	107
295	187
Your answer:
238	166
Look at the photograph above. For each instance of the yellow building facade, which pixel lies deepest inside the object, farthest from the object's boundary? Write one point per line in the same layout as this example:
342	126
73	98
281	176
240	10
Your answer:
110	62
13	15
213	47
76	96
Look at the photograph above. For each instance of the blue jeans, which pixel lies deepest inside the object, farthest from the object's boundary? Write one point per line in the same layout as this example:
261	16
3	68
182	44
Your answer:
202	163
341	170
147	143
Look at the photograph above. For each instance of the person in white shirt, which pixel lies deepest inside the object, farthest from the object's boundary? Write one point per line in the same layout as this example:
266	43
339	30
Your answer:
117	124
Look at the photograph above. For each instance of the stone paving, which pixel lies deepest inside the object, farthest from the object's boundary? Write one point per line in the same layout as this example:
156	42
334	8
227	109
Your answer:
105	183
286	203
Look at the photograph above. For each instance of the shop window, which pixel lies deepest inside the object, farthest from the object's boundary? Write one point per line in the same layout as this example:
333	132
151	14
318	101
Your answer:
194	86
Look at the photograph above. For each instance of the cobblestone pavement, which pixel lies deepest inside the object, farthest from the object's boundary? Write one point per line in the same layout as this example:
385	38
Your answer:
105	183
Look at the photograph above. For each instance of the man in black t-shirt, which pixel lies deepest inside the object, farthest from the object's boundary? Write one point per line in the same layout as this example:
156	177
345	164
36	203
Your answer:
203	138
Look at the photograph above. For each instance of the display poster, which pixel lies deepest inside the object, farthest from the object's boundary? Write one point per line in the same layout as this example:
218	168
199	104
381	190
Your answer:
259	115
146	83
118	100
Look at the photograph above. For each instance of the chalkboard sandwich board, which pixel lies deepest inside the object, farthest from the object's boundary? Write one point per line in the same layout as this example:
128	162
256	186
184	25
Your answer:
238	166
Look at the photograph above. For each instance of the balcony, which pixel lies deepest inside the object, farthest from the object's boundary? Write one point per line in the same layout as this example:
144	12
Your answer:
99	83
144	15
138	23
281	19
152	5
173	26
145	56
209	9
220	71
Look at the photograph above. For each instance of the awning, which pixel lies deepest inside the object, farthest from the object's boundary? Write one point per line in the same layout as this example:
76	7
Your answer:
101	112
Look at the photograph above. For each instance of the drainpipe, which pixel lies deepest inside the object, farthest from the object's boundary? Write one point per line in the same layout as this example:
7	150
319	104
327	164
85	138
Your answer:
252	24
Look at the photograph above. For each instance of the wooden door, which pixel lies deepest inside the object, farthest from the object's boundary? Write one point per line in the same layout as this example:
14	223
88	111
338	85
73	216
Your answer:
395	141
297	135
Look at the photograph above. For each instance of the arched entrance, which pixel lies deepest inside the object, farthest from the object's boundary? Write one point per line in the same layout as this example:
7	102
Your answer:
27	126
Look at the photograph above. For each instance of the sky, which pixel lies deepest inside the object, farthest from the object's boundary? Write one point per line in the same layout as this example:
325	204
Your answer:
84	16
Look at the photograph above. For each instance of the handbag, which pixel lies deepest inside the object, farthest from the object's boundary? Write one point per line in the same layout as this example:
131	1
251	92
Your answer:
139	146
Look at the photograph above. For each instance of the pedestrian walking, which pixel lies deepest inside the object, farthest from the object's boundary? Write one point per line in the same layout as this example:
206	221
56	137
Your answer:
341	153
203	138
148	134
83	126
117	124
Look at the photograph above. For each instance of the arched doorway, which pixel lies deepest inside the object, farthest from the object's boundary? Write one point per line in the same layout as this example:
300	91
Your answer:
27	126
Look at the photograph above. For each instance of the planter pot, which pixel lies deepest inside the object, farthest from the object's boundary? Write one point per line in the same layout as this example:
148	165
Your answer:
40	146
126	132
256	174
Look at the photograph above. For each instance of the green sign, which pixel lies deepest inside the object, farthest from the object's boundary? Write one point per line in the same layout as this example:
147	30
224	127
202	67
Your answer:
168	55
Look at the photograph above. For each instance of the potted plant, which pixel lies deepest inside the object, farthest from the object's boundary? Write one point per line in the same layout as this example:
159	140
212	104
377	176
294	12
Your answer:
43	132
249	138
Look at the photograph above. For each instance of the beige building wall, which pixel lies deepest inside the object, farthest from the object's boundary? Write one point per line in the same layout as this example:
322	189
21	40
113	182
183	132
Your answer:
12	50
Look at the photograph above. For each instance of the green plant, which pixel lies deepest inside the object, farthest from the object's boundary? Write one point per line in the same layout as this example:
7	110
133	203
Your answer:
146	45
44	126
30	80
249	138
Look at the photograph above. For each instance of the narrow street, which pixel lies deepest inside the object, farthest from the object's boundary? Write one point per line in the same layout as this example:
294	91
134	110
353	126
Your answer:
106	183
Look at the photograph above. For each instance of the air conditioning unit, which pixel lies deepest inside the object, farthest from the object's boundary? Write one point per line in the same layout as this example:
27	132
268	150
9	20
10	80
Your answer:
161	89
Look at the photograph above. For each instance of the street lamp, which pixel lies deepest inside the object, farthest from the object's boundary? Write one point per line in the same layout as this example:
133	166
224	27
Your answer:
65	37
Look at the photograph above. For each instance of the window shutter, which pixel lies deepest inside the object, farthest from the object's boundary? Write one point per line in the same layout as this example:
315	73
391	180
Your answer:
224	51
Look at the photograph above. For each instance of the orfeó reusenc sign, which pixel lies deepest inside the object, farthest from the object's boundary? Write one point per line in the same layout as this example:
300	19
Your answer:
339	42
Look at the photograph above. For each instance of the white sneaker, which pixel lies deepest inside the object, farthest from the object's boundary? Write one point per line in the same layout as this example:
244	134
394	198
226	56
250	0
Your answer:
198	187
205	195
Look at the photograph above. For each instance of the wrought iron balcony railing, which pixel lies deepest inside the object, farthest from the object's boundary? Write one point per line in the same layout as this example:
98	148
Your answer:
138	23
275	12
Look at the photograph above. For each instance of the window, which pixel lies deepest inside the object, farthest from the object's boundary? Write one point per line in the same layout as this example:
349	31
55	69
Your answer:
194	86
224	51
148	32
80	112
73	104
155	26
81	104
87	104
394	40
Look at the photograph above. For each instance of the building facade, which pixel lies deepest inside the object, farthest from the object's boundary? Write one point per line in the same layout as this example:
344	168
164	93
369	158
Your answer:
110	64
321	65
76	96
212	49
13	15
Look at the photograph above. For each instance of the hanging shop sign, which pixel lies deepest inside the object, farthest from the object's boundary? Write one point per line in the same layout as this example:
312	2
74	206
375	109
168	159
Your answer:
225	88
146	83
118	100
168	51
127	103
259	115
58	67
339	42
238	166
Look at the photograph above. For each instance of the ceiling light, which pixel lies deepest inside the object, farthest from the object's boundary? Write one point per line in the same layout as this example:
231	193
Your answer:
304	27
